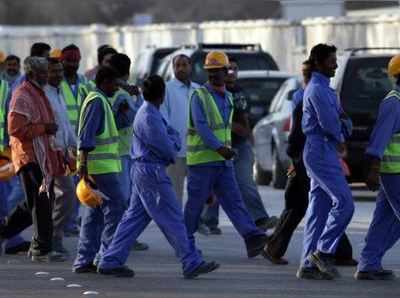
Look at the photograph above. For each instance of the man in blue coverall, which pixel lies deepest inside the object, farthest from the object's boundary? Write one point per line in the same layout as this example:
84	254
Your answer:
209	156
99	157
383	156
155	146
331	204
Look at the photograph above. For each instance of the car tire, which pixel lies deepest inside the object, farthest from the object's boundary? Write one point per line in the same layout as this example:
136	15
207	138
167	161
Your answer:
279	177
260	176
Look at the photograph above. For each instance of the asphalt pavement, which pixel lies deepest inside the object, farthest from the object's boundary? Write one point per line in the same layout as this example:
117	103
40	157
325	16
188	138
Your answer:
158	272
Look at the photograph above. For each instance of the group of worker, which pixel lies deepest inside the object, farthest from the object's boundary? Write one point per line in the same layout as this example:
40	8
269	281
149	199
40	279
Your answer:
127	151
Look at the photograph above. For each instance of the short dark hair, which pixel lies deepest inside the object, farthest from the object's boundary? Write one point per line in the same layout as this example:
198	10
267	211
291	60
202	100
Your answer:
105	73
181	56
121	63
53	61
38	49
70	47
104	51
153	88
320	53
13	57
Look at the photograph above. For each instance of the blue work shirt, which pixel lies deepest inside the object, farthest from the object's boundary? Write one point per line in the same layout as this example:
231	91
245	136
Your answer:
297	97
321	110
387	124
6	137
201	125
125	118
175	108
154	141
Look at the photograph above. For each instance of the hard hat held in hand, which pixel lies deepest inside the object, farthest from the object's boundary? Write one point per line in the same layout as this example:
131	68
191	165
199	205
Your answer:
7	170
216	59
394	66
88	193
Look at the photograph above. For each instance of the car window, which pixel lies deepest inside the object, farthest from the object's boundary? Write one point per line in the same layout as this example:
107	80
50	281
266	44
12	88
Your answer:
365	84
278	97
246	61
261	90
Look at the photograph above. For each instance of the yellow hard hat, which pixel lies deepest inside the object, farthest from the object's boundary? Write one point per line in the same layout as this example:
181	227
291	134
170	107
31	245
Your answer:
55	53
7	170
88	194
394	65
3	56
216	59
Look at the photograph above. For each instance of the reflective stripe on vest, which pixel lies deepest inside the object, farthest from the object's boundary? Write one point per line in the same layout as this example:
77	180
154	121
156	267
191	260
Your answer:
104	159
126	133
197	151
4	90
390	163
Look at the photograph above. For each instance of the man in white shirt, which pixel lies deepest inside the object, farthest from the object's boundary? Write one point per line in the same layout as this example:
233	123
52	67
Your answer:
175	110
65	142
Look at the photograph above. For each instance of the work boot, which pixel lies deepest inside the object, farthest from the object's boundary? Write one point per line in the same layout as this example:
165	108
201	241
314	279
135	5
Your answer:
46	257
375	275
140	246
58	246
267	223
274	260
89	268
203	229
325	263
203	268
18	249
215	231
312	273
122	271
255	245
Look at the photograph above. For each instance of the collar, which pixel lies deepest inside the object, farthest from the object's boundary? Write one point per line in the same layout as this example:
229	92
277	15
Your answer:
212	90
320	78
35	85
151	106
182	84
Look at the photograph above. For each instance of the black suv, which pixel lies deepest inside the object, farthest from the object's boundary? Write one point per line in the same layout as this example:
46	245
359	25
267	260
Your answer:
362	82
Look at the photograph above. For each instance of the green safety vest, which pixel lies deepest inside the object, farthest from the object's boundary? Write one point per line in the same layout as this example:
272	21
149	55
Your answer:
390	163
125	134
197	150
4	90
73	103
104	159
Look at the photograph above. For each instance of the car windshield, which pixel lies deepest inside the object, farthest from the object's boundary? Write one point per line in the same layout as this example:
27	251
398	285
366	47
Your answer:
261	90
246	61
365	84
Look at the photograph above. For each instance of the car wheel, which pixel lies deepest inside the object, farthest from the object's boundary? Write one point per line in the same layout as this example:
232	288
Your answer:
279	177
260	176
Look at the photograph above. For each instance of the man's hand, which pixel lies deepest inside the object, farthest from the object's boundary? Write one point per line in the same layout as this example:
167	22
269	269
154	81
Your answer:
226	152
372	180
50	128
291	172
132	89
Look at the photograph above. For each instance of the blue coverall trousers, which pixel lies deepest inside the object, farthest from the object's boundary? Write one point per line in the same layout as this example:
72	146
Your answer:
153	198
384	230
99	224
331	205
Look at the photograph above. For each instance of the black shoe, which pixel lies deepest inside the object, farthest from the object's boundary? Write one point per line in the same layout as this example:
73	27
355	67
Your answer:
203	229
203	268
274	260
325	263
20	248
255	245
49	257
312	273
140	246
375	275
346	262
89	268
267	223
123	271
215	231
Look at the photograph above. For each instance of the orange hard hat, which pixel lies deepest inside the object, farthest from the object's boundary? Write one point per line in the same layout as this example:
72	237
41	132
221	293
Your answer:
55	53
394	65
216	59
88	193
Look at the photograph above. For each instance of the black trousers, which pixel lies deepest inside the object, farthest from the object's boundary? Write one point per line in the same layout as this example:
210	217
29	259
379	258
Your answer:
296	203
36	210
